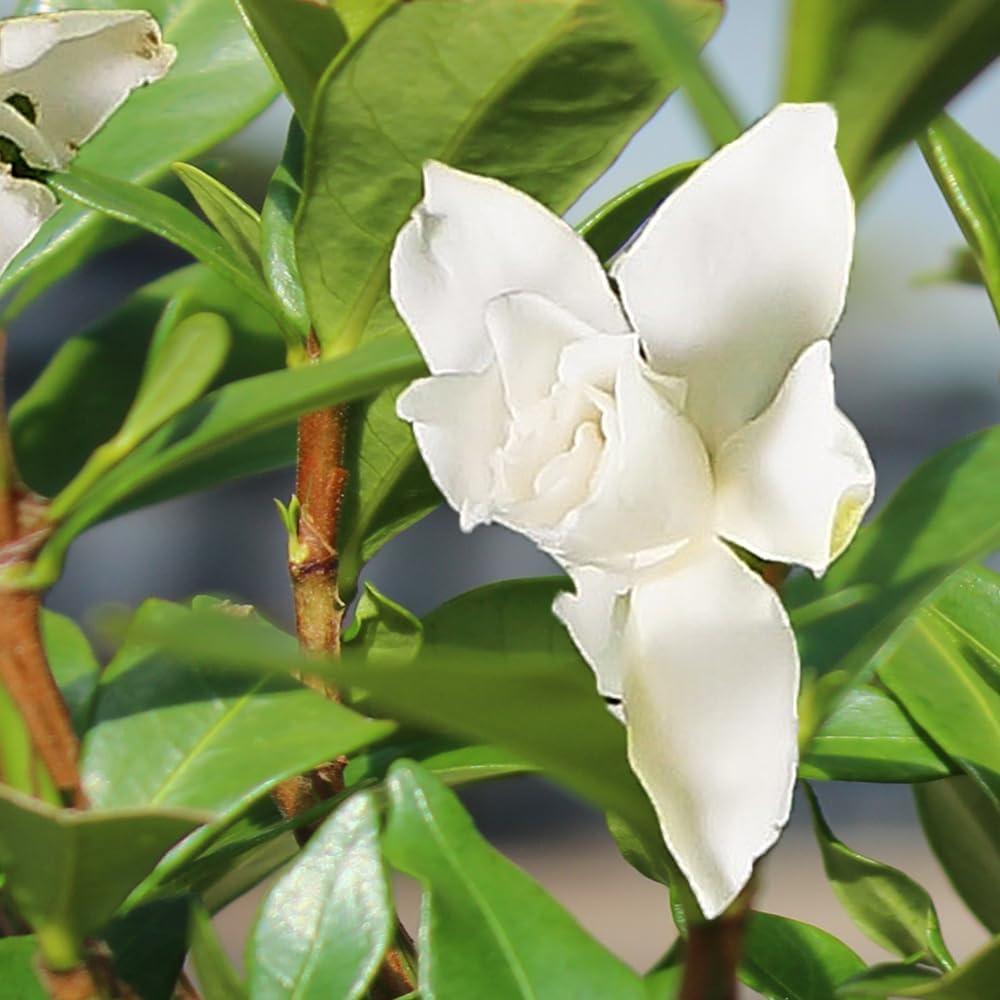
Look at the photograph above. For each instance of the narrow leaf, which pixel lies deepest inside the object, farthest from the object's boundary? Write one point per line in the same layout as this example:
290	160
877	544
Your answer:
216	976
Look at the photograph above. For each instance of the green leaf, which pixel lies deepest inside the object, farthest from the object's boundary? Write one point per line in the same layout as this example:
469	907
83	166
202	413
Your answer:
299	38
241	428
968	175
549	93
889	68
870	738
82	396
17	969
73	663
203	99
892	909
68	871
382	626
943	665
234	220
674	51
944	516
487	929
611	226
326	924
281	267
888	980
217	978
962	825
784	959
168	219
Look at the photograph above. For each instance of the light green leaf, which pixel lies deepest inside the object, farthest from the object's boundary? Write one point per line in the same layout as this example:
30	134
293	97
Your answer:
888	67
969	177
82	396
168	219
943	665
68	871
381	626
962	825
973	980
17	969
870	738
299	38
240	428
888	980
324	927
944	516
359	15
611	226
487	929
203	99
234	220
784	959
73	663
217	978
892	909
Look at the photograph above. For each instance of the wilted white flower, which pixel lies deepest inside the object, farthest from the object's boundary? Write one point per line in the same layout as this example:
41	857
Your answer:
61	77
634	438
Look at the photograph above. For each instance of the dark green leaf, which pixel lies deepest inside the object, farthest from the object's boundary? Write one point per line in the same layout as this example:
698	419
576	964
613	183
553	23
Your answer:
68	871
234	220
17	969
962	825
299	38
943	665
969	177
892	909
888	67
217	978
326	924
487	929
784	959
203	99
612	225
869	738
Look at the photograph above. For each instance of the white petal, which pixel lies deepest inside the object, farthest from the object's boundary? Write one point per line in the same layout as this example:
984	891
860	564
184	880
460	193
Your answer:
473	239
711	678
76	68
595	618
24	206
793	485
652	490
744	266
459	422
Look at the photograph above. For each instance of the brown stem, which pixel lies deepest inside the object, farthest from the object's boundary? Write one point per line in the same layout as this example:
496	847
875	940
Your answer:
712	953
24	668
92	979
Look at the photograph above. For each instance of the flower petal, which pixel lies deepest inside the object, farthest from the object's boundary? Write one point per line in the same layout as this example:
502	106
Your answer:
744	266
793	485
711	678
473	239
76	68
24	206
459	422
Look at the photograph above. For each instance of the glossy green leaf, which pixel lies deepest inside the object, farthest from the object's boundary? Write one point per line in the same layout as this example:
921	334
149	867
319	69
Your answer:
299	38
17	969
785	959
281	268
962	825
217	978
892	909
974	979
888	67
944	516
381	626
611	226
73	664
166	218
68	871
486	928
82	396
240	428
870	738
326	924
888	980
671	47
943	665
969	177
203	99
234	220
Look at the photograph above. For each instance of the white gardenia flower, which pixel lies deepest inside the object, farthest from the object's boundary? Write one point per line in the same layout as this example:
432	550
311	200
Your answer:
634	439
61	77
